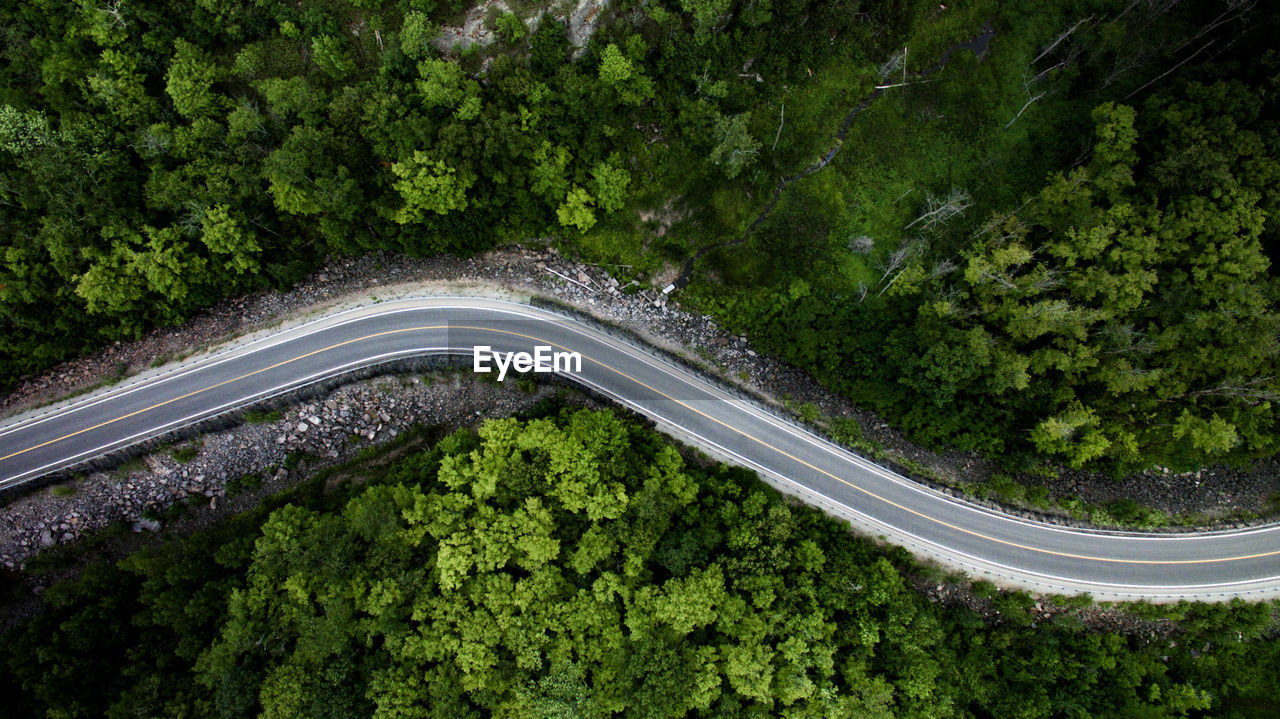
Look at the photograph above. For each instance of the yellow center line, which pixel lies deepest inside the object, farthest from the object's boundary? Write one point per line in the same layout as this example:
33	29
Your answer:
213	387
869	493
687	406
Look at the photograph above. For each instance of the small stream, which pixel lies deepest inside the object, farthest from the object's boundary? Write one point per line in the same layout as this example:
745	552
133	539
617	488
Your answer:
978	44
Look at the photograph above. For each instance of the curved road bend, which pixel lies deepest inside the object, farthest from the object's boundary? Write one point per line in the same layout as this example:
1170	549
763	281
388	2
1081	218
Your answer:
984	543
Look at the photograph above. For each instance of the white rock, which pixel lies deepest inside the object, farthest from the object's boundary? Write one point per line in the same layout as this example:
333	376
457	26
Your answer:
144	524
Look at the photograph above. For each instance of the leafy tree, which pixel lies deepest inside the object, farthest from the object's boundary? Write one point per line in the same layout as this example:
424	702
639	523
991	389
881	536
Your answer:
1119	292
548	47
120	87
735	147
706	13
547	176
22	132
620	73
609	184
189	82
510	27
112	284
524	569
331	57
428	185
441	83
416	34
291	97
223	235
576	210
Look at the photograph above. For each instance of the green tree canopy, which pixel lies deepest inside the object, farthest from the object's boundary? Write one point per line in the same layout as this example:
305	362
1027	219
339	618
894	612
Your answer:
428	185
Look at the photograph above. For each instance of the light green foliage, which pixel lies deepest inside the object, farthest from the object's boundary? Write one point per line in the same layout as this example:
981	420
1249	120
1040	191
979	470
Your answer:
223	235
547	176
1072	433
428	185
111	284
105	24
290	171
189	82
331	57
118	279
1111	170
735	147
154	114
1095	303
441	83
251	61
619	72
416	35
615	69
609	184
24	131
290	97
576	210
469	109
1212	436
1122	316
706	13
119	86
245	122
510	27
167	264
574	566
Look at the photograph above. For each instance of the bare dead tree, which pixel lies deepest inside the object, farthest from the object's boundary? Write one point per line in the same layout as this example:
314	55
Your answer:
1157	78
897	262
114	14
1125	339
1236	9
943	267
1051	310
1250	391
1151	9
1122	64
862	244
938	210
1030	100
192	220
891	66
1003	279
1063	36
782	117
151	143
1047	280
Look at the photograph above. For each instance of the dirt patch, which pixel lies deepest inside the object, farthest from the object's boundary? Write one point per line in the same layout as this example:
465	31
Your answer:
580	19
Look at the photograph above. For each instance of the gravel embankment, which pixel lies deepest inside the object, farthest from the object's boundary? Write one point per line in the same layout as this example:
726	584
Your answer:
328	430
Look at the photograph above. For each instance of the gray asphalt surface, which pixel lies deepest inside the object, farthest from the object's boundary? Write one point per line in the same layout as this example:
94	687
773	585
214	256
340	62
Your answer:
1009	550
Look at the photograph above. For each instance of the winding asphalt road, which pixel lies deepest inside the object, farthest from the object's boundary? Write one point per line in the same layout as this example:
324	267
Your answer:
1009	550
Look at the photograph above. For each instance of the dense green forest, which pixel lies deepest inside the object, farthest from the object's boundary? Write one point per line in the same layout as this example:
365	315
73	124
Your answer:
1060	249
572	564
158	156
1065	249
